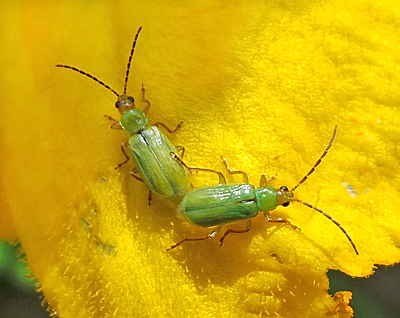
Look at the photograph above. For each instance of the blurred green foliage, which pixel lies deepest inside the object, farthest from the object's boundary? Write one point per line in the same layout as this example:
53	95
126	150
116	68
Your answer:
377	296
12	271
18	296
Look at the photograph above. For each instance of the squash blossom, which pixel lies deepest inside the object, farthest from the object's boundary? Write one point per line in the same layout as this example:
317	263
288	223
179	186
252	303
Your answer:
261	83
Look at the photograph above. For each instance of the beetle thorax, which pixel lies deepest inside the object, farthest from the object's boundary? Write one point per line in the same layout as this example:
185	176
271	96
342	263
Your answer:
266	199
134	121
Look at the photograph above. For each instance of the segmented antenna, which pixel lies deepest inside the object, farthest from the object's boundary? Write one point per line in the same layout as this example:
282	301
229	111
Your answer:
330	218
88	75
130	58
101	82
318	161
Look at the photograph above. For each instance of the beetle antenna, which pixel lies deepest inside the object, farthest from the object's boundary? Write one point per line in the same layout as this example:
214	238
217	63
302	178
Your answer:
88	75
330	218
130	58
318	161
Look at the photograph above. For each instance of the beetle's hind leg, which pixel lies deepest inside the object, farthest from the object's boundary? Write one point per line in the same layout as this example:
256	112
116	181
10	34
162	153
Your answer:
229	231
191	239
133	174
230	171
196	169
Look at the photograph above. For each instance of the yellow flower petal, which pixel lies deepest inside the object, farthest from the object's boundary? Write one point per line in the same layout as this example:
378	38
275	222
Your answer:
342	300
262	84
7	229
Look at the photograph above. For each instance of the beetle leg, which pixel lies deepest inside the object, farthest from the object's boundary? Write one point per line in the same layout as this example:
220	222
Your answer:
125	154
279	220
133	174
145	100
248	227
230	171
264	181
181	149
133	171
191	239
149	198
171	131
116	124
195	169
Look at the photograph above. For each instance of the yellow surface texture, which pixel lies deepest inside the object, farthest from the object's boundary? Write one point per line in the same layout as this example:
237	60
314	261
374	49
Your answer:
262	83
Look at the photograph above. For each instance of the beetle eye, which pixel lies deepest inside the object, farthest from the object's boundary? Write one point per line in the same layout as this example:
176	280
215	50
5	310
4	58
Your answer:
117	104
131	99
284	188
286	204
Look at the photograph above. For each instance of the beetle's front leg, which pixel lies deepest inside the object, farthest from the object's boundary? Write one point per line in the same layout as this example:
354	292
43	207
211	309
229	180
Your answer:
263	180
280	220
116	124
145	100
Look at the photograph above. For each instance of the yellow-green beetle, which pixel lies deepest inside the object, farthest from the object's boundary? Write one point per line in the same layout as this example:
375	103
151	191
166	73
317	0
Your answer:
157	162
218	205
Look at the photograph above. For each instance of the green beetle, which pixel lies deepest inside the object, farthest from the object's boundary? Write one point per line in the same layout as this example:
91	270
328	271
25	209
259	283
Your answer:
223	204
156	159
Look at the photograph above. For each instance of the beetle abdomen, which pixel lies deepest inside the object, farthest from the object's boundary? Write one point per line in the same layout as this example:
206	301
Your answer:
218	205
161	173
